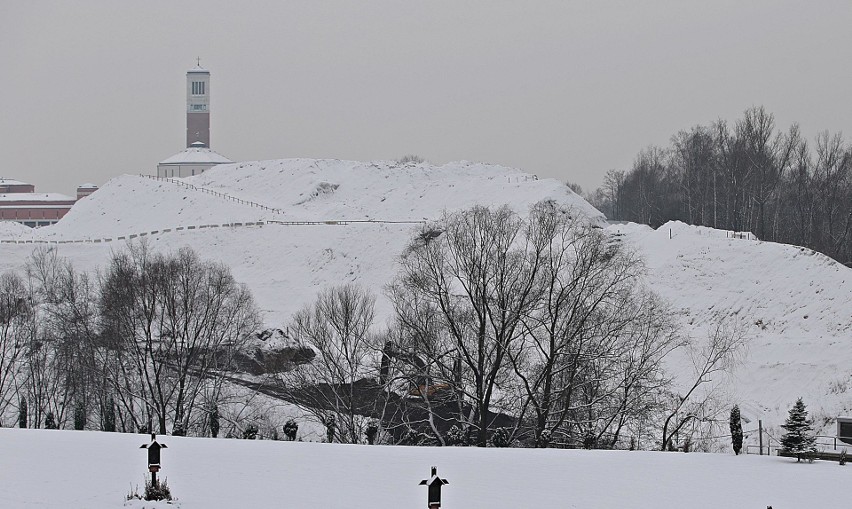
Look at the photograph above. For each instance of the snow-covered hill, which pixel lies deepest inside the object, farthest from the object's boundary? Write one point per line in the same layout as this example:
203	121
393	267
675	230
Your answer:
96	470
311	189
796	303
302	190
286	264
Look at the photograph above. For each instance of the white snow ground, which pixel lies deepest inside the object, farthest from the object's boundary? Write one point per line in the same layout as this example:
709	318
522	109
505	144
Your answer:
796	303
96	470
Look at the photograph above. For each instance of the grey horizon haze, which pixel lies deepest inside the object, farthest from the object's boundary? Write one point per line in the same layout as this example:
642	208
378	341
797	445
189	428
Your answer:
92	90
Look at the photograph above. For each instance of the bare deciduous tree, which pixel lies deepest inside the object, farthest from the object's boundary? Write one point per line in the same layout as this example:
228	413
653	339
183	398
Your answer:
477	279
590	357
15	313
169	321
710	361
339	385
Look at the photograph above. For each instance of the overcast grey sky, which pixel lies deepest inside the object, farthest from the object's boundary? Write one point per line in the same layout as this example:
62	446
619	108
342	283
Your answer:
91	90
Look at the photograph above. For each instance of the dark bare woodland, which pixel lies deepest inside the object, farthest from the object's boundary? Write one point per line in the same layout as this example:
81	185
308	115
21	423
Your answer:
136	349
749	176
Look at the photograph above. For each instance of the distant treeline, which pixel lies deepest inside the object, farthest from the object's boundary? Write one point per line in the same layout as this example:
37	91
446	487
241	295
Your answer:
745	177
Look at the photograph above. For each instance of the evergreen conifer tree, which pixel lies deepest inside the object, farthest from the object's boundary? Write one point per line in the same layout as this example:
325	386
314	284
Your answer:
544	439
500	438
736	430
799	438
291	429
372	431
214	421
80	416
22	414
329	428
109	415
50	421
251	431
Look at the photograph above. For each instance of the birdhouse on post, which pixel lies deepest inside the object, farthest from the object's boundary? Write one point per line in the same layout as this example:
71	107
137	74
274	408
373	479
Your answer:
153	457
434	483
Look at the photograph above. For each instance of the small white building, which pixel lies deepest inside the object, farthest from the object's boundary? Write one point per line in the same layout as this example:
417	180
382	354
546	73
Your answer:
194	160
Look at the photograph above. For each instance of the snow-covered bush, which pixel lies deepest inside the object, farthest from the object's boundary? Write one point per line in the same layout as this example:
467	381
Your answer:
456	436
372	431
413	437
250	433
544	438
159	491
291	429
501	438
50	421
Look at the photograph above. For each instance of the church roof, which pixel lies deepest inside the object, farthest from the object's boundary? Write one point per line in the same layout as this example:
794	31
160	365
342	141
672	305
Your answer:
198	68
197	155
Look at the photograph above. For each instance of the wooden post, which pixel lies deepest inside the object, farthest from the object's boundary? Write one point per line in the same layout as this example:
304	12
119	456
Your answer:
153	457
760	434
434	484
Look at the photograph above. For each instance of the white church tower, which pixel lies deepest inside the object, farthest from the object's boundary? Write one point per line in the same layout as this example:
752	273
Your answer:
197	157
198	106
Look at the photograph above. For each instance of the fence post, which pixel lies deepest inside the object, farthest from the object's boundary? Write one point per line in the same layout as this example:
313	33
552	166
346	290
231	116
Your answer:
760	434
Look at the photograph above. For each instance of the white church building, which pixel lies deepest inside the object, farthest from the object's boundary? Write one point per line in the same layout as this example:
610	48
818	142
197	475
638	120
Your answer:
198	156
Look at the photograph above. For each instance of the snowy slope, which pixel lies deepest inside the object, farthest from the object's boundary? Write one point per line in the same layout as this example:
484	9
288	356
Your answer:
133	204
95	470
323	189
285	266
301	190
11	229
796	304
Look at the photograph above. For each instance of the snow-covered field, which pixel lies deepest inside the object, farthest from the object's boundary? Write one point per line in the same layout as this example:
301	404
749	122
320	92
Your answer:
95	470
797	305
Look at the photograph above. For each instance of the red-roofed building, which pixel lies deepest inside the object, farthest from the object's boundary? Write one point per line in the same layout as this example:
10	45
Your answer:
19	202
15	186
